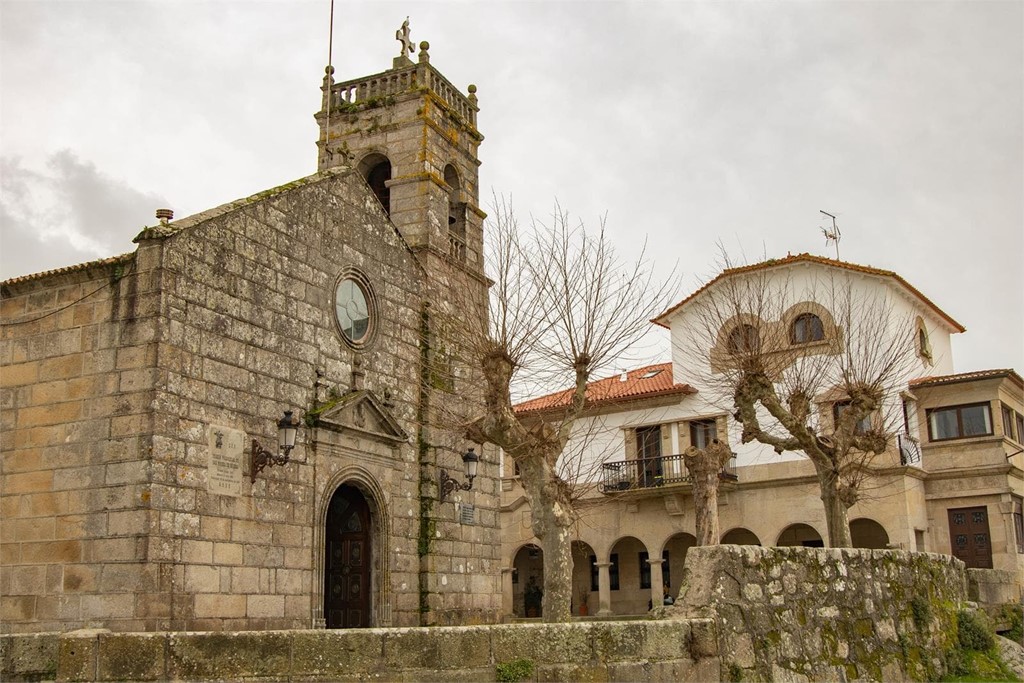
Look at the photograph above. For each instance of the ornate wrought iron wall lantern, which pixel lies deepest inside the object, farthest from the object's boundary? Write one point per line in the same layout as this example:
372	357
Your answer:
287	427
449	486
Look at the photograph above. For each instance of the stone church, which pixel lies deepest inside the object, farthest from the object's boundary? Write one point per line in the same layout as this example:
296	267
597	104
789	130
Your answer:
143	484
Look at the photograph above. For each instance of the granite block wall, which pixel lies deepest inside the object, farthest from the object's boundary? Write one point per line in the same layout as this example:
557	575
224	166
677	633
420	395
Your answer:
608	651
826	614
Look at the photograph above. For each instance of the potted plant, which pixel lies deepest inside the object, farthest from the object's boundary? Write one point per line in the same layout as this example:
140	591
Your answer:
584	596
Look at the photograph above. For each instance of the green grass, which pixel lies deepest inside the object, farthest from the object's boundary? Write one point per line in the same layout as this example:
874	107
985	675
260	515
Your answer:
981	666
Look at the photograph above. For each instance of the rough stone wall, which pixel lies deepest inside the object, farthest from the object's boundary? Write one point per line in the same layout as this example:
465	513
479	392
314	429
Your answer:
249	307
250	310
826	614
78	351
992	586
226	320
420	134
600	651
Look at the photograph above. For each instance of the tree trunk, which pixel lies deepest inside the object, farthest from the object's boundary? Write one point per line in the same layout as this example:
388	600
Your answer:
836	508
557	573
551	518
704	466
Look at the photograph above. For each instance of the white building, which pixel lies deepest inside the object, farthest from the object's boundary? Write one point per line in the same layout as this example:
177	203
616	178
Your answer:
951	480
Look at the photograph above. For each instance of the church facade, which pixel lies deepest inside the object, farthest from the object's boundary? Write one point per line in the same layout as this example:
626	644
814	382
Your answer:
143	486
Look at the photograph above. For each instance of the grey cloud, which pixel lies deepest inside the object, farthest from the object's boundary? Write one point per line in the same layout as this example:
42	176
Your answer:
68	213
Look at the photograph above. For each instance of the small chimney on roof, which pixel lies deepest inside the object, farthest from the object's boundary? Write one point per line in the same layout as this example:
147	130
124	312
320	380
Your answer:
624	376
164	215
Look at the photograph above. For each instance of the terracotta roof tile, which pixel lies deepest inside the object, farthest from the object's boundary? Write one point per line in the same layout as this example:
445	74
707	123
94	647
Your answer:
966	377
123	258
646	382
810	258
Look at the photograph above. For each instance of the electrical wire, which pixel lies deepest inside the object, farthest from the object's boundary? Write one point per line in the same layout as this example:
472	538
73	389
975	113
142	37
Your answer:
126	273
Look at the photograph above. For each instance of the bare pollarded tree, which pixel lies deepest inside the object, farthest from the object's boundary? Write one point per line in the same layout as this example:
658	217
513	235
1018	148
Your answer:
705	465
814	366
563	307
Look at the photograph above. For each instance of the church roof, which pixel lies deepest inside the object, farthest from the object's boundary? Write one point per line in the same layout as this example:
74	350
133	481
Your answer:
791	259
650	381
174	227
64	270
163	230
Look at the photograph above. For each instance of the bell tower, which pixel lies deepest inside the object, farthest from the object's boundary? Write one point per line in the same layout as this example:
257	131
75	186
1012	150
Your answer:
412	136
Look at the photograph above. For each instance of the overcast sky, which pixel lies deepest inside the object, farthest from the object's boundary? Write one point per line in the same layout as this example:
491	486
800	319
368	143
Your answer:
688	122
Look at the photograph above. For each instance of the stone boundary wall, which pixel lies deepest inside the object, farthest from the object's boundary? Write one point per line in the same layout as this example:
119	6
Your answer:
679	650
800	614
744	613
992	587
994	590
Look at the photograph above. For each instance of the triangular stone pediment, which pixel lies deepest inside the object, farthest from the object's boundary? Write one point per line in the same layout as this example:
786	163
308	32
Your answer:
362	412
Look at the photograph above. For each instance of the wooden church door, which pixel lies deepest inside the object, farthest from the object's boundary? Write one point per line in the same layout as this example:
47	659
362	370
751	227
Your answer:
347	574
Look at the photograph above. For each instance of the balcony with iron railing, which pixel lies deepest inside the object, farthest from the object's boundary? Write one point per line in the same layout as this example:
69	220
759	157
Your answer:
910	449
651	474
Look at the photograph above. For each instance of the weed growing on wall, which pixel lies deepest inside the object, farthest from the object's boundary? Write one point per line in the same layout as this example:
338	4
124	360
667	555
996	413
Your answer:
975	658
1015	616
920	612
514	671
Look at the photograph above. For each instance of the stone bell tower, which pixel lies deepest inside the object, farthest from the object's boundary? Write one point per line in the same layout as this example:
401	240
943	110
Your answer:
412	135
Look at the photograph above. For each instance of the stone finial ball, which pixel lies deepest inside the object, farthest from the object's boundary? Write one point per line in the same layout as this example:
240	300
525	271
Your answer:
424	45
329	70
472	88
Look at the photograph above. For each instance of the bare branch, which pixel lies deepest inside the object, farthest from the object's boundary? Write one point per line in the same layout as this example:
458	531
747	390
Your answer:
831	395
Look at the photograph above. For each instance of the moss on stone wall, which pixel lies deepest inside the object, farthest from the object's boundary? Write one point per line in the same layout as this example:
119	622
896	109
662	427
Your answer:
828	613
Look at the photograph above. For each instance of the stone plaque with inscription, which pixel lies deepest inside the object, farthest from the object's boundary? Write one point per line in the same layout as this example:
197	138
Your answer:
224	474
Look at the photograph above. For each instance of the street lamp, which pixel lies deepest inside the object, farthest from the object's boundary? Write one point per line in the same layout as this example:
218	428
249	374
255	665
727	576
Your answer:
470	460
287	427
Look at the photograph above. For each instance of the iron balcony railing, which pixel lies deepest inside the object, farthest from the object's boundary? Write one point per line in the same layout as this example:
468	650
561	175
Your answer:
646	473
910	449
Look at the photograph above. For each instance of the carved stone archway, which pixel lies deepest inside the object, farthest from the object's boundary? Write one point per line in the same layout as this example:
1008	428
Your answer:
356	442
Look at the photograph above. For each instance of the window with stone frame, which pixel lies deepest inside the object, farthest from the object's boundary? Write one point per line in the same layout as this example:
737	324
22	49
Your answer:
959	422
863	425
1008	422
744	338
806	328
1018	522
924	346
703	432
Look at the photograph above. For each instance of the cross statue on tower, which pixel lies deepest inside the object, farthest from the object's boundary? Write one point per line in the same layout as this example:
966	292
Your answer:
402	36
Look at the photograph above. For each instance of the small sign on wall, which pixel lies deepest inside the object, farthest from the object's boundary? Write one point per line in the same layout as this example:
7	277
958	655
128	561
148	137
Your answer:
224	472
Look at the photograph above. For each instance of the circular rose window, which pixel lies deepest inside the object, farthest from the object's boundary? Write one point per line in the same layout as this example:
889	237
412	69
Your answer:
354	309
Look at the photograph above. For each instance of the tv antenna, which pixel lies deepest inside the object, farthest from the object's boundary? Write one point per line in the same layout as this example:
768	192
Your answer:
832	235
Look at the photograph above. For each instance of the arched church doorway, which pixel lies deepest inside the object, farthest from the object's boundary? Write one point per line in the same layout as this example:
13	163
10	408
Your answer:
348	535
